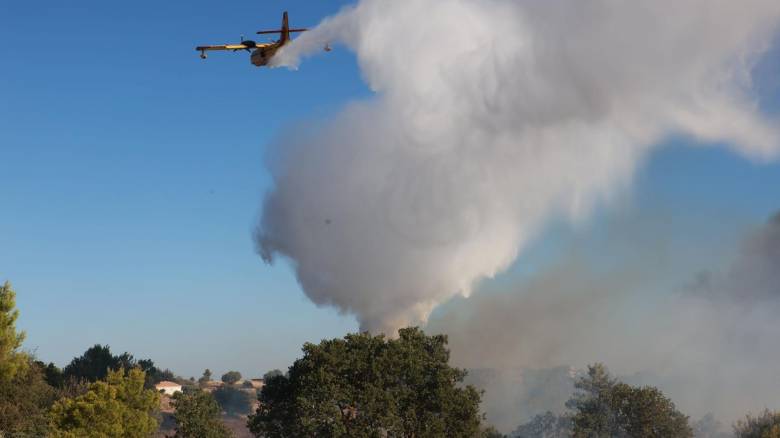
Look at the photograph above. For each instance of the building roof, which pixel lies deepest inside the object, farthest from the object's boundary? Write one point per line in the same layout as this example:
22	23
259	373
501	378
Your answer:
167	384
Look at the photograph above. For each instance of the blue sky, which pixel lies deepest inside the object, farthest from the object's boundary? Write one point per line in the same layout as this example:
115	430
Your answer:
133	174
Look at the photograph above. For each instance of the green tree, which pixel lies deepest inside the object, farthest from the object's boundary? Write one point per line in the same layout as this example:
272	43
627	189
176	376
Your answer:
93	365
234	401
646	412
367	386
97	361
594	416
118	406
154	375
605	408
12	360
205	378
231	377
25	401
271	374
765	425
198	416
52	373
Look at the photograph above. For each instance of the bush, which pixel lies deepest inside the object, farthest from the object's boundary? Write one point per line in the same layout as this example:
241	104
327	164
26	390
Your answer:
118	406
198	416
364	385
766	425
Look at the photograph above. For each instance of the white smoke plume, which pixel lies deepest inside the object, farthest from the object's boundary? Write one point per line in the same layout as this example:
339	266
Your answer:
709	341
490	117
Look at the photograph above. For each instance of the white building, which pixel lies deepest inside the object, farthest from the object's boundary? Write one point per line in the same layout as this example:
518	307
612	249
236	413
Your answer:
167	387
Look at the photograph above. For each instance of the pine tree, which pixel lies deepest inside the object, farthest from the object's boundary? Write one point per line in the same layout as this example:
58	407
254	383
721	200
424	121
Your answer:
116	407
11	359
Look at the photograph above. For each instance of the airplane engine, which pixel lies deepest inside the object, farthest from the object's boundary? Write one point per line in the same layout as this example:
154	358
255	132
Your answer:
258	58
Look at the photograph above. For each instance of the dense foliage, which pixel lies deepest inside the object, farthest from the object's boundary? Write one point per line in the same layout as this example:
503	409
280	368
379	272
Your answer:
12	360
24	403
198	416
766	425
97	361
118	406
605	407
366	386
95	364
271	374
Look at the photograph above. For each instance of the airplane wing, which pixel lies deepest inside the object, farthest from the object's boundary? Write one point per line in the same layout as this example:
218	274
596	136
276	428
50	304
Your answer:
230	47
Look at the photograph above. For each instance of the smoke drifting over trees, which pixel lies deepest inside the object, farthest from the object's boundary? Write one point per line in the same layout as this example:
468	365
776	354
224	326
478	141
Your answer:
708	342
490	118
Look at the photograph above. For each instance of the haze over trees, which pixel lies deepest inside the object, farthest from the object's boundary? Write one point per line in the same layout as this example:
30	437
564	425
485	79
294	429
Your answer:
364	385
357	386
605	407
764	425
547	425
602	406
234	401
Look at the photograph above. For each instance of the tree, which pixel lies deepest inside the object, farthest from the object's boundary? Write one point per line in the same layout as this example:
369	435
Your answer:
364	385
118	406
547	425
231	377
154	375
206	378
608	408
198	416
594	417
234	401
765	425
25	401
93	365
12	360
97	361
646	412
52	373
271	374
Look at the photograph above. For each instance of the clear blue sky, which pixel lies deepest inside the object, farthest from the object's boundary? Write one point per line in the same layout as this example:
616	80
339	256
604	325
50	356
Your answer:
132	175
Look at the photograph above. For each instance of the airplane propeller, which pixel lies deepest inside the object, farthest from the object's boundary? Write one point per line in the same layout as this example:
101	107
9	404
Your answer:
248	43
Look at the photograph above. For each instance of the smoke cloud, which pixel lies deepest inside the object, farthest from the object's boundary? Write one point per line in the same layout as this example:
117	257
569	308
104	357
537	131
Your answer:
709	342
490	117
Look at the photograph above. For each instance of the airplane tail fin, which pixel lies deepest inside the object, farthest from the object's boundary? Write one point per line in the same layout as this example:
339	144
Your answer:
285	29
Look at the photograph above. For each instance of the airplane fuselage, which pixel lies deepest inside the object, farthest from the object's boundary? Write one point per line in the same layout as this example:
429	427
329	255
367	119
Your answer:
261	56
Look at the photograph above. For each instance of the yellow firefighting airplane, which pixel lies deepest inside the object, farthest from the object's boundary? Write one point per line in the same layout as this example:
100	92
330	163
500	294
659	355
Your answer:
261	52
